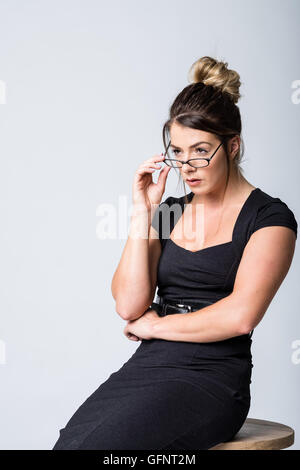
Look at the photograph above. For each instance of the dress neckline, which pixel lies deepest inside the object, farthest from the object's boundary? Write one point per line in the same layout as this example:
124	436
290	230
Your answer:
243	208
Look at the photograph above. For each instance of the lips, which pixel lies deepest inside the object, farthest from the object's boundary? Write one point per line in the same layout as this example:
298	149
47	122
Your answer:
194	179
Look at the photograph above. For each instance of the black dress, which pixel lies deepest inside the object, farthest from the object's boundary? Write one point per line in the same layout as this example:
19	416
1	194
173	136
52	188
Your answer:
176	394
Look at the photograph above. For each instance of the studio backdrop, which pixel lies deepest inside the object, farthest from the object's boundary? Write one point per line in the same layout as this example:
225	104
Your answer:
85	87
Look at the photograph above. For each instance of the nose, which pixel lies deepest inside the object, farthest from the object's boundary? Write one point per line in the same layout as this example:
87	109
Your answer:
186	168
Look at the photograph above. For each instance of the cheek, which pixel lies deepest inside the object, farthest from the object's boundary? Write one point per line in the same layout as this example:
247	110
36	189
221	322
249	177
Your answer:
217	170
220	167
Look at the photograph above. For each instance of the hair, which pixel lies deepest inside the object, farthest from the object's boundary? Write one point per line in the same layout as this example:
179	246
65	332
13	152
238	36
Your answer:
209	104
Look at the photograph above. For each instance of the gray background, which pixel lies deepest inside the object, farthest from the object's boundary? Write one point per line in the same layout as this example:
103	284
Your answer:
88	87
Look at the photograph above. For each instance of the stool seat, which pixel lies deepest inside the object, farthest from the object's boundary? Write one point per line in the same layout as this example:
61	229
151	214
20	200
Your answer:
258	434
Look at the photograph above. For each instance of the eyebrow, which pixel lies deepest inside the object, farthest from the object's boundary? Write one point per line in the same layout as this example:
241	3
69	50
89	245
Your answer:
194	145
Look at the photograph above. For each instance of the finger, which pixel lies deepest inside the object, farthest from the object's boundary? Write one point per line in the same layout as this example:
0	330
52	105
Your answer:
132	337
155	158
142	171
150	165
163	175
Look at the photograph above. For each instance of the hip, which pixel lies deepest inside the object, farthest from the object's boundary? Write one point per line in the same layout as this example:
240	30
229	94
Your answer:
225	368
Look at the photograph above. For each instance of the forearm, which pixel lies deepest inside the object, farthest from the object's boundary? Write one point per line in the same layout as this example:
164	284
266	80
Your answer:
219	321
131	285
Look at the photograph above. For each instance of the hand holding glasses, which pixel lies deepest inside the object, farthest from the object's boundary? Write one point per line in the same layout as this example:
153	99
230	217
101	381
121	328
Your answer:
147	193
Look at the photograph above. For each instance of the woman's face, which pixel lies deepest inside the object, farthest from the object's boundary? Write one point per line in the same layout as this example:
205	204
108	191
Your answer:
182	147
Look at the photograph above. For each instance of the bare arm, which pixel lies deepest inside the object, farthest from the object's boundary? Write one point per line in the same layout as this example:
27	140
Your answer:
265	262
134	282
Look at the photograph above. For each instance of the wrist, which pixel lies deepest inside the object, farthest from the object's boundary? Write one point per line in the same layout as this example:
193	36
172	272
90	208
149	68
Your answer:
157	327
140	211
139	226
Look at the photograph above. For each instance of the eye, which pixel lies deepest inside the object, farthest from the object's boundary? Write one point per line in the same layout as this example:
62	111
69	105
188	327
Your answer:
200	149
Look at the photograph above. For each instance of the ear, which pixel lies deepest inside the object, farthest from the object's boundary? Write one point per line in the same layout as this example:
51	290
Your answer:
233	146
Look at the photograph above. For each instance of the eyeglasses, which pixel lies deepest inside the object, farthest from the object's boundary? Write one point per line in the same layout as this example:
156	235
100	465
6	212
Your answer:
196	162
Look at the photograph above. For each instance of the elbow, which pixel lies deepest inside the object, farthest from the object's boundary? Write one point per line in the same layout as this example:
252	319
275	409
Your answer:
242	316
132	309
129	314
122	312
244	327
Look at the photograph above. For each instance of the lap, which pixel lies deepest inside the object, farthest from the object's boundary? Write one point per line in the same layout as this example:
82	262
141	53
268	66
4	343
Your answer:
149	413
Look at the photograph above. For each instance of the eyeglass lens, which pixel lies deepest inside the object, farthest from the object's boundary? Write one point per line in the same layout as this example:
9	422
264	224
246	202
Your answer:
197	161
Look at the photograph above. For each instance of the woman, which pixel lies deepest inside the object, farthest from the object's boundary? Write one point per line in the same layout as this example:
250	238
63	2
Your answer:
187	386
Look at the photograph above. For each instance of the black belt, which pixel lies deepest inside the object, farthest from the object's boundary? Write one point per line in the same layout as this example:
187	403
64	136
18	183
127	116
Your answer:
167	307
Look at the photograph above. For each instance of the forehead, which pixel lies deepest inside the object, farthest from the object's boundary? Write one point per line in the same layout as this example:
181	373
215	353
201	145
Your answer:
182	136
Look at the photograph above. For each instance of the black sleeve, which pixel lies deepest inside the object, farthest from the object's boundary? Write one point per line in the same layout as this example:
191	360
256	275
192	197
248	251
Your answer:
275	213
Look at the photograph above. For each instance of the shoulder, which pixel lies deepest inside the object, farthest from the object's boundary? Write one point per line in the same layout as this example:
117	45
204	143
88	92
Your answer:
166	204
272	211
171	202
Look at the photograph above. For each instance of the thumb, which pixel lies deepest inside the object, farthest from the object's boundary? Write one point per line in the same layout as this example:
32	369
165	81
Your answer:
163	175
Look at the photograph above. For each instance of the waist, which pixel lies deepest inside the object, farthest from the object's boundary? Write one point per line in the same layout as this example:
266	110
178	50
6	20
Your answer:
168	307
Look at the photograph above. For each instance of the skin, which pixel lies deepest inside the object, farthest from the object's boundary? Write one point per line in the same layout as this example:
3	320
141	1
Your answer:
266	258
221	204
212	192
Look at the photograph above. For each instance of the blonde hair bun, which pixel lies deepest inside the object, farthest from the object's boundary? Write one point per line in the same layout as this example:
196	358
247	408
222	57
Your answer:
210	71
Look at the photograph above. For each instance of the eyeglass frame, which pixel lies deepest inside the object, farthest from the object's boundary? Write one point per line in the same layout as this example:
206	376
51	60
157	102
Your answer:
187	161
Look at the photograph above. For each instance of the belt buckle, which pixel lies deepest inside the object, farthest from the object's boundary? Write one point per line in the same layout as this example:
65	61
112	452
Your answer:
189	307
165	307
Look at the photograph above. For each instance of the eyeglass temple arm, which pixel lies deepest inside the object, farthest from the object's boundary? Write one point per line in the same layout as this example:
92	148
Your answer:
167	148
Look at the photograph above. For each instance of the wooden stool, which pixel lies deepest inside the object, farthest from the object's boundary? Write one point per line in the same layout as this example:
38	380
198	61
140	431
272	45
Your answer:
258	434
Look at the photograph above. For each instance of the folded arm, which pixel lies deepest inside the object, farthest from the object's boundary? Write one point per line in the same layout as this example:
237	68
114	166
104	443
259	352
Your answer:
265	263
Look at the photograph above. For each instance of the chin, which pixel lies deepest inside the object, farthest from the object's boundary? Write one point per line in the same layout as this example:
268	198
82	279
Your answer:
196	187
